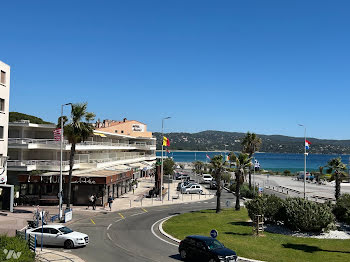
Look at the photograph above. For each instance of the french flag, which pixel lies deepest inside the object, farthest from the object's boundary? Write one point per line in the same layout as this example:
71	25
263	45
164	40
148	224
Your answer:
307	144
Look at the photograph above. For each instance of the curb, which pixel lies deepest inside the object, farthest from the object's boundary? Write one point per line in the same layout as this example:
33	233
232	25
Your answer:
160	227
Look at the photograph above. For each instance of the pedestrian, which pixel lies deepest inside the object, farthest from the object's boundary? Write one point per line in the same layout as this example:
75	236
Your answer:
94	198
90	199
110	201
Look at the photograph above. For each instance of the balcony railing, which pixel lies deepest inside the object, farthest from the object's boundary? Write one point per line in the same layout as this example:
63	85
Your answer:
38	163
22	141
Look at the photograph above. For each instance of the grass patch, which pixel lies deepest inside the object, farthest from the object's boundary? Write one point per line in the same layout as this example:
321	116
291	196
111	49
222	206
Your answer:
236	233
19	246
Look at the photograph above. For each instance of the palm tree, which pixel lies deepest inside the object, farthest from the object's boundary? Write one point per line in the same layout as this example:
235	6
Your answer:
218	167
250	144
243	162
319	174
336	168
198	167
77	131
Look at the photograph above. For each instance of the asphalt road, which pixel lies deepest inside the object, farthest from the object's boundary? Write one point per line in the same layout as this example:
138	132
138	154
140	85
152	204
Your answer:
127	236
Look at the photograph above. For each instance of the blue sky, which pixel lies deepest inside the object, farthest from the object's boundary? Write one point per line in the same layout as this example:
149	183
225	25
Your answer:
262	66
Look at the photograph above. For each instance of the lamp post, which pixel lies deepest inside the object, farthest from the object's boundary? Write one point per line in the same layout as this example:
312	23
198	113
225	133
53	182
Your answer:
60	214
304	160
161	173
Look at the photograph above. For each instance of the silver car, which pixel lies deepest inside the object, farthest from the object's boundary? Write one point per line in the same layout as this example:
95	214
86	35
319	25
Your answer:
58	235
192	189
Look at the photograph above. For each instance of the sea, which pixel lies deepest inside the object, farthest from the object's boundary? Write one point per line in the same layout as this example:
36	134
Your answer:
268	161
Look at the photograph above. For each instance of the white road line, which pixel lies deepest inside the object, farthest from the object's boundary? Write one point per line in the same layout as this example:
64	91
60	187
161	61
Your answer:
118	220
109	237
109	226
158	236
137	214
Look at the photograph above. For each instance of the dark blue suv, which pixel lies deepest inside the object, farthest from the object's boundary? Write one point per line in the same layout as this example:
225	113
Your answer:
201	248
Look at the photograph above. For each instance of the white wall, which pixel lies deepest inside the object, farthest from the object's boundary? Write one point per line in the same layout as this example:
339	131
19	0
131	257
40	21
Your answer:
4	115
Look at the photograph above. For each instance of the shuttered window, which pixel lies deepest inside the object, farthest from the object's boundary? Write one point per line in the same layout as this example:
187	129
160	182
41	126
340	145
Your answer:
3	77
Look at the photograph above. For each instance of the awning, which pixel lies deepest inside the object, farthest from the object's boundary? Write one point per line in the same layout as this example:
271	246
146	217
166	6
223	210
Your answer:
135	165
118	167
101	135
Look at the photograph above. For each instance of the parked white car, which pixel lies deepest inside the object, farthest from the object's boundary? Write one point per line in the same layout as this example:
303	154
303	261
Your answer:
192	189
207	178
58	235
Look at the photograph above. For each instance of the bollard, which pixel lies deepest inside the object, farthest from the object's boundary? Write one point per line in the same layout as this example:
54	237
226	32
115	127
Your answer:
191	196
152	200
141	201
162	199
130	202
205	195
199	195
182	197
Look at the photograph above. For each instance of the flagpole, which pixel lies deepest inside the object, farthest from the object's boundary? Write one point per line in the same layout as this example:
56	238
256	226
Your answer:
60	206
304	162
162	170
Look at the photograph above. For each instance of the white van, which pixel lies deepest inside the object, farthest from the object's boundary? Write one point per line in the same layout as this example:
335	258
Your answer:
207	178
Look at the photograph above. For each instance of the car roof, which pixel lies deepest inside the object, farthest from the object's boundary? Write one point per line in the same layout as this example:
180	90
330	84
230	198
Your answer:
57	226
198	237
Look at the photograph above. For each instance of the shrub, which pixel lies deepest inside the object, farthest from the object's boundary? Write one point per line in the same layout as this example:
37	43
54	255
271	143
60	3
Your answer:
18	245
256	206
341	210
244	190
304	215
273	209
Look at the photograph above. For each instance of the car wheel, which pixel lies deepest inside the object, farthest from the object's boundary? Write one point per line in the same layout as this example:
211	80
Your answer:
68	244
183	254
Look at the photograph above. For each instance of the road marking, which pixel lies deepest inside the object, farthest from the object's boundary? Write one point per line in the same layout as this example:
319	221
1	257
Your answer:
92	221
136	214
118	220
205	202
152	230
144	209
120	214
109	237
109	226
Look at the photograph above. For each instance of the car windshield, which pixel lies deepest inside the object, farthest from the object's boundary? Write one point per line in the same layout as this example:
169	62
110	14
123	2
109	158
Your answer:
65	230
213	244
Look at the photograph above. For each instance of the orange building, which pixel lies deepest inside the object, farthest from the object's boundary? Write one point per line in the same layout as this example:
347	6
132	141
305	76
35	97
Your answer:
126	127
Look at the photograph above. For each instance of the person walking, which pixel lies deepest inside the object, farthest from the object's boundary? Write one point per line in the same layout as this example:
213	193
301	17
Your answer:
90	199
94	198
110	201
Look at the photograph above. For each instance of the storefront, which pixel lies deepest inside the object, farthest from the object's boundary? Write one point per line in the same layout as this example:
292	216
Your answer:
43	189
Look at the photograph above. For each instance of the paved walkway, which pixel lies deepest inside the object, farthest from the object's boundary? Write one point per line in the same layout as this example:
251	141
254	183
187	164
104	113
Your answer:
49	255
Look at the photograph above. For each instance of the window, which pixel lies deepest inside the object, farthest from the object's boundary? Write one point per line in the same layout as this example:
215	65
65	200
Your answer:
53	231
122	131
2	104
3	77
1	132
116	131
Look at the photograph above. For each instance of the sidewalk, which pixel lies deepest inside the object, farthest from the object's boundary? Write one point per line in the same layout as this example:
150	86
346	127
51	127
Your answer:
138	199
48	255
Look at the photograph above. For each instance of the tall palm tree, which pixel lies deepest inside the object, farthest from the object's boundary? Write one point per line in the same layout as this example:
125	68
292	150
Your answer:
218	167
250	144
336	167
76	131
243	163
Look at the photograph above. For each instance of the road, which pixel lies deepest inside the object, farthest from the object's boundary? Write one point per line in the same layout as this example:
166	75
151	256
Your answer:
127	236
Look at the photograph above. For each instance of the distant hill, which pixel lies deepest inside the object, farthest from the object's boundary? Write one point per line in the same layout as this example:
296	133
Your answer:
15	116
216	140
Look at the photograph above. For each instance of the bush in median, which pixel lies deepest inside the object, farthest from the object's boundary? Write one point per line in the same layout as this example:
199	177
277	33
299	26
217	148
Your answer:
341	210
306	216
15	249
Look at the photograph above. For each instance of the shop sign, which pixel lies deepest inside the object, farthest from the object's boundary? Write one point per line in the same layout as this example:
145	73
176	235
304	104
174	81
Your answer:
84	180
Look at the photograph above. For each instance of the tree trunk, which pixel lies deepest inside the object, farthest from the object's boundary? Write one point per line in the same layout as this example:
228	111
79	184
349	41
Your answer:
218	193
71	164
238	178
337	186
250	179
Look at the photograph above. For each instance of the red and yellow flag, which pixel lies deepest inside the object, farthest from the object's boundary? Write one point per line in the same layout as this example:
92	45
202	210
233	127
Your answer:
166	141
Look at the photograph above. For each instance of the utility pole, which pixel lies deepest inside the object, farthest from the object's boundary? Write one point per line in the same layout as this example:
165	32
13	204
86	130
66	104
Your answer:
305	154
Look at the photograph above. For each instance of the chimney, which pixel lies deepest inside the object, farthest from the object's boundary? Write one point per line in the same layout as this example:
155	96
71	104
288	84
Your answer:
124	120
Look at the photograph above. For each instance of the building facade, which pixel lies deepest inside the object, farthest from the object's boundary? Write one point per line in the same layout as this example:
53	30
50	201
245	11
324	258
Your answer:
104	164
4	118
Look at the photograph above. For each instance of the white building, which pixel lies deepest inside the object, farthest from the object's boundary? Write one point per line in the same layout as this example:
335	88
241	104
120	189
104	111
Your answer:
4	117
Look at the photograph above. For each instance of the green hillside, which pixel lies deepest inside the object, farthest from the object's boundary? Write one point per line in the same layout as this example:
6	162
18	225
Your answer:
16	116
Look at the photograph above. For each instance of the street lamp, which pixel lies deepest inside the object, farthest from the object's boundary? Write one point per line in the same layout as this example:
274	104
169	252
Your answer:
304	160
161	173
61	184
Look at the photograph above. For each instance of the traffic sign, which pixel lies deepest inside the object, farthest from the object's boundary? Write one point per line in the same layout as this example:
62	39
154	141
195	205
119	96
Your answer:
228	203
213	233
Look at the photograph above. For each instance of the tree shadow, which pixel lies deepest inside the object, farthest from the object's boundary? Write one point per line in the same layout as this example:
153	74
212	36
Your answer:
310	249
238	234
241	223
